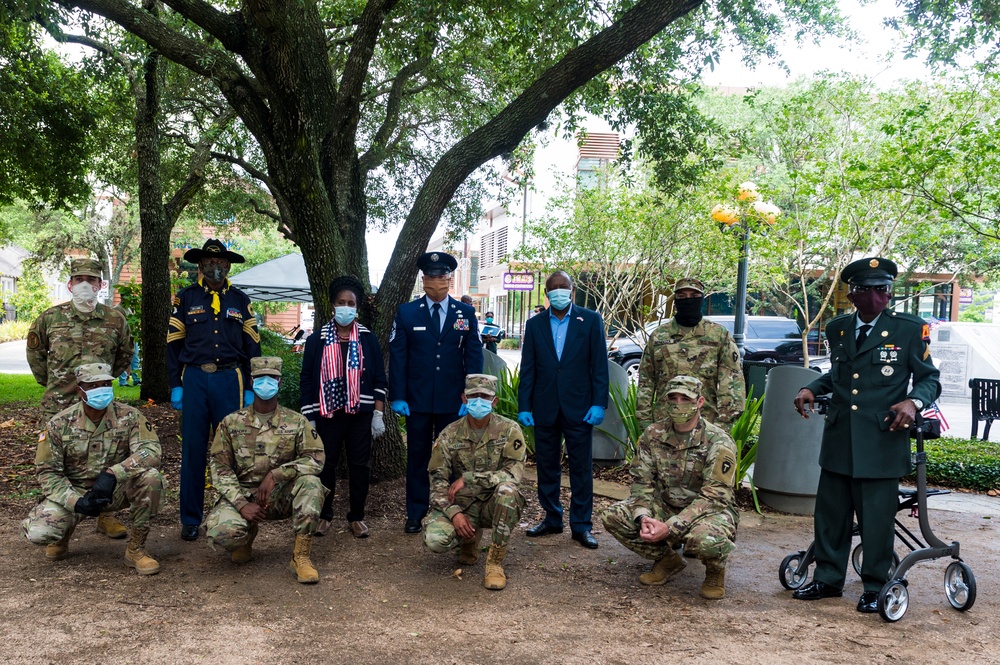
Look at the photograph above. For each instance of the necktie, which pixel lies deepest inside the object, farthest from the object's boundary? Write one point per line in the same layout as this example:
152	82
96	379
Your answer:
436	315
863	335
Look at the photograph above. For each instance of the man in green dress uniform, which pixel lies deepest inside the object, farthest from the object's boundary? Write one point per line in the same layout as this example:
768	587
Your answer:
874	353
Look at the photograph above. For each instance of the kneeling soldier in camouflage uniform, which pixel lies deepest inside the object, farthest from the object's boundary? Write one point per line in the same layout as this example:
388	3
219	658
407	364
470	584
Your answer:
485	454
94	458
682	494
265	463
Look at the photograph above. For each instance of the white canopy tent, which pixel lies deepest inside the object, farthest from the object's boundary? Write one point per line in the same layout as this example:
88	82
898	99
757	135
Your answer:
279	280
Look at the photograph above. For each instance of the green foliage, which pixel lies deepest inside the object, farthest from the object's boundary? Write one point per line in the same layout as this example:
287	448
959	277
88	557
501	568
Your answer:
508	343
744	433
510	380
625	406
273	344
20	388
14	330
32	295
963	463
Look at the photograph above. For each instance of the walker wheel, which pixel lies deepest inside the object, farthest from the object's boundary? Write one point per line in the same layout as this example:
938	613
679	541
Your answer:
789	574
858	557
960	586
893	600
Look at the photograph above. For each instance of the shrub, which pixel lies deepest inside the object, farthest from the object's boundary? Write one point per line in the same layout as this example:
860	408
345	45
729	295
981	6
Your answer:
624	404
745	435
510	380
508	344
32	295
965	463
14	330
273	344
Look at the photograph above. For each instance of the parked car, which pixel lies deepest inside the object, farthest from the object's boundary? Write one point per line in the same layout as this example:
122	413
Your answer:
768	339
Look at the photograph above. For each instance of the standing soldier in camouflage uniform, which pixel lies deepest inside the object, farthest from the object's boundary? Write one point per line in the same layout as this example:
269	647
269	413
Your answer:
485	454
690	345
95	457
67	335
682	494
265	463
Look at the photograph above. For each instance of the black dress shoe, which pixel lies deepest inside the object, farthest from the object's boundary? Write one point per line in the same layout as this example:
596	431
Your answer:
542	529
586	539
868	604
189	531
816	590
412	526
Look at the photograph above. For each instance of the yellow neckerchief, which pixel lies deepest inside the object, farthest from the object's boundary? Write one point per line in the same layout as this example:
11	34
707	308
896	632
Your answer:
216	305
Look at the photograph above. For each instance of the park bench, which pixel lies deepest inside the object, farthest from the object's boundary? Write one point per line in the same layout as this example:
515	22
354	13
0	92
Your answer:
985	404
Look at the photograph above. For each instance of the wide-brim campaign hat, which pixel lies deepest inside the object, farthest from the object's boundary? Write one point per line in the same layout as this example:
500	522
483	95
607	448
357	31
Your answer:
870	271
212	249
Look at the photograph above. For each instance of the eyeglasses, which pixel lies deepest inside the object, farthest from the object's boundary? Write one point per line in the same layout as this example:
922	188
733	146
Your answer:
881	288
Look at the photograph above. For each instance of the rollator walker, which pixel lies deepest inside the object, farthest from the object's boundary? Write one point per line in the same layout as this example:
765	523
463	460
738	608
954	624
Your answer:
894	597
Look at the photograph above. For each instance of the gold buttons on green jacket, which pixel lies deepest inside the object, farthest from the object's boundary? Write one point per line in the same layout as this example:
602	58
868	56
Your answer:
854	407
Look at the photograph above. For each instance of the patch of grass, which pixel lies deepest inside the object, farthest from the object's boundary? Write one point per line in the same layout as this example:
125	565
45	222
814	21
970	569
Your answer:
19	388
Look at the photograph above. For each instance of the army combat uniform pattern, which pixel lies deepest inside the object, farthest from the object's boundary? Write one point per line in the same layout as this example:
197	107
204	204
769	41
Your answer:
71	454
62	338
706	351
686	481
247	448
491	463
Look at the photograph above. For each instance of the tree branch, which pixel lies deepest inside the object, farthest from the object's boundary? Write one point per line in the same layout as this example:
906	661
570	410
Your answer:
376	154
196	171
245	165
224	27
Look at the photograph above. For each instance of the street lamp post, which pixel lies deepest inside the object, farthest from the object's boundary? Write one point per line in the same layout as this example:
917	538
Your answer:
747	213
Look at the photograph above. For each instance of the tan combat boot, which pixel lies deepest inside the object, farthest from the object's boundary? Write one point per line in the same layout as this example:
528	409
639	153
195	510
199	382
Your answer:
303	568
468	554
59	550
495	578
136	556
664	569
110	527
245	553
714	587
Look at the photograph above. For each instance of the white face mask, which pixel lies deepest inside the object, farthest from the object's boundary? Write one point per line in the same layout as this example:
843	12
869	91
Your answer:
84	297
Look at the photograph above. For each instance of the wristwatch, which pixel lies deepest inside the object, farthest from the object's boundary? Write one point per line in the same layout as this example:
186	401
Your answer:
917	403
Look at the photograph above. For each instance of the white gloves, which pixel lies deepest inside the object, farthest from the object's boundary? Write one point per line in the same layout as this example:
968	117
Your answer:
378	424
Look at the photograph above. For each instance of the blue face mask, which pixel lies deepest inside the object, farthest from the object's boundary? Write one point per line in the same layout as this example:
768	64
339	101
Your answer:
479	407
345	315
489	319
559	298
100	398
265	387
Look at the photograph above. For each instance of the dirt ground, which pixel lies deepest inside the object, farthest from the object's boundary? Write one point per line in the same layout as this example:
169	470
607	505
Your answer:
385	599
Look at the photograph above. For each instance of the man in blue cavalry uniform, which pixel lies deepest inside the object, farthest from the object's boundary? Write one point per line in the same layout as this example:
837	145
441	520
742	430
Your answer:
211	337
874	354
434	344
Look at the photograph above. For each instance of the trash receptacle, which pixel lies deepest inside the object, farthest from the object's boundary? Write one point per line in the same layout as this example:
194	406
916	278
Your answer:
609	434
786	471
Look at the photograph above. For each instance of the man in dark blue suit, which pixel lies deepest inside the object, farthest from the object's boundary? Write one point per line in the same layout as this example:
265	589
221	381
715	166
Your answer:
433	345
563	394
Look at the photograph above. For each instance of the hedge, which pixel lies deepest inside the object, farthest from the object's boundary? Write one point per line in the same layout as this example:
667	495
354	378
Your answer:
963	463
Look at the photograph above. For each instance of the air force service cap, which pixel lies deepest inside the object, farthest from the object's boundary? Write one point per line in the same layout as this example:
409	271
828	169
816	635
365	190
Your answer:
437	263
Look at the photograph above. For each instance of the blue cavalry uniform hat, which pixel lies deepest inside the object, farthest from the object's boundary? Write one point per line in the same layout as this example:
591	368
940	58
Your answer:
437	263
871	271
212	249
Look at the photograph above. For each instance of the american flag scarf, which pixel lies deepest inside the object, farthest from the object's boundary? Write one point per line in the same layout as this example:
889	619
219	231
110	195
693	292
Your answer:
337	391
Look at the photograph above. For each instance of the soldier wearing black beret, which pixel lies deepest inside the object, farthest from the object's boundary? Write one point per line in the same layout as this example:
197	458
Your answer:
874	354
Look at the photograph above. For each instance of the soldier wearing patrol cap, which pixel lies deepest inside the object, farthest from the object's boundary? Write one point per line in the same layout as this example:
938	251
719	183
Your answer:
211	337
691	345
683	492
72	333
875	353
433	345
94	458
266	461
484	453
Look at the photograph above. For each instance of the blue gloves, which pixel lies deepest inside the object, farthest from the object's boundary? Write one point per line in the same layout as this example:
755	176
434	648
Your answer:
595	416
462	410
400	406
526	419
175	397
247	397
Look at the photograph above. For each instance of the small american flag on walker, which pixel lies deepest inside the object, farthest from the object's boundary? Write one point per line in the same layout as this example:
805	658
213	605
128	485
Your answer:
933	412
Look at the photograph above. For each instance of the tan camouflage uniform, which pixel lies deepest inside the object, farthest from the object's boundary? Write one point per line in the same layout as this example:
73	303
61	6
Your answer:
247	448
63	337
686	481
71	454
706	351
491	463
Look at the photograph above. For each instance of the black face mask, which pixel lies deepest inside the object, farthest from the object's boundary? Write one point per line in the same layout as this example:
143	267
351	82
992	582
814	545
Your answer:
687	311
